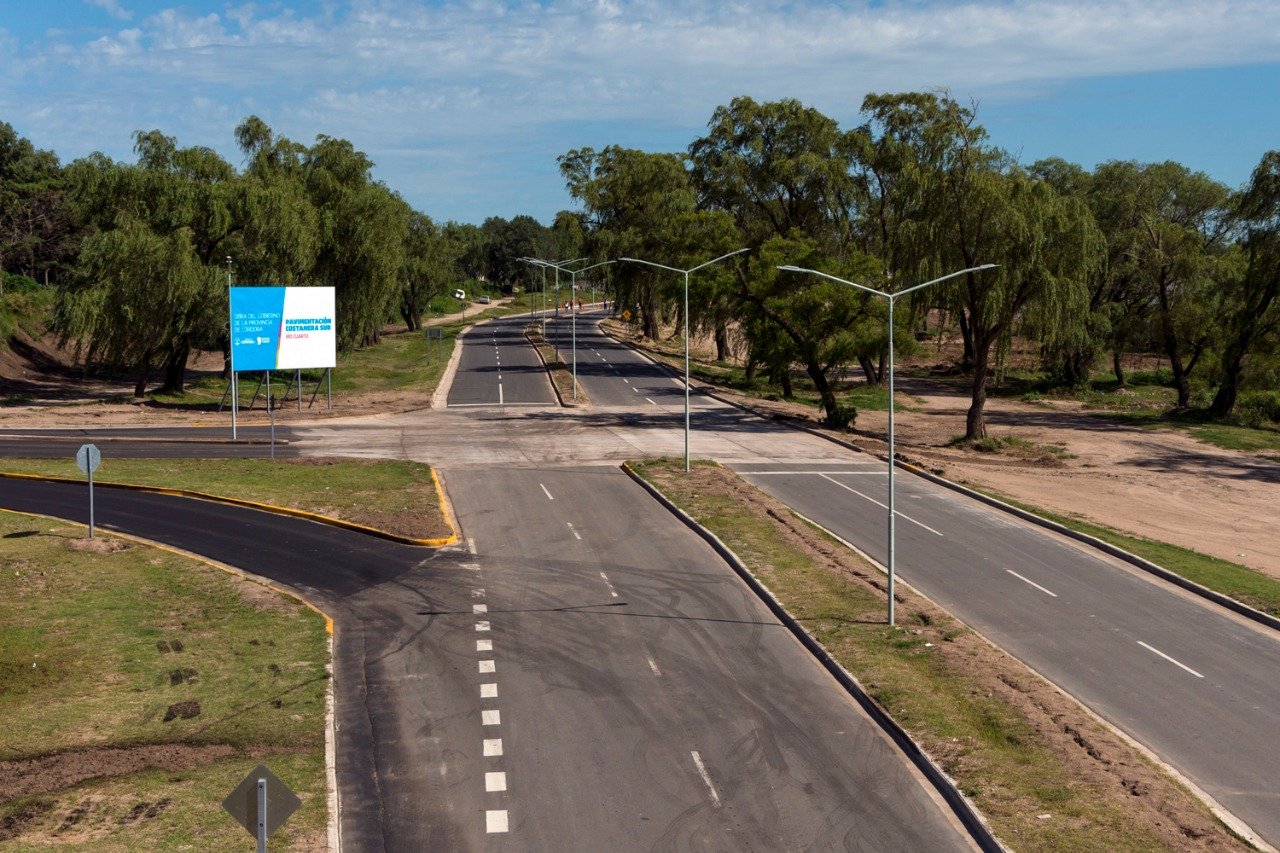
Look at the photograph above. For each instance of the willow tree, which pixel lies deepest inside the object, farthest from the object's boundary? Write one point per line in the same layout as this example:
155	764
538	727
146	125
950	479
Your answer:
1253	299
632	202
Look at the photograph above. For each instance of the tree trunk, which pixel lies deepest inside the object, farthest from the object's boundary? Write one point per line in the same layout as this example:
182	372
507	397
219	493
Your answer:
722	341
1246	327
1117	368
975	425
1171	347
868	369
828	397
785	378
175	370
144	373
966	363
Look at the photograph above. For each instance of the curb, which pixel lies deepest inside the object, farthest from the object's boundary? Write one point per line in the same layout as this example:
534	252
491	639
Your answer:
960	806
125	439
1218	598
334	830
440	399
264	507
564	404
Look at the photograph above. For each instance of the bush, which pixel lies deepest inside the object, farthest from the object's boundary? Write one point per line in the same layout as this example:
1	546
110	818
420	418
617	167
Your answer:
1160	376
14	283
843	417
1258	408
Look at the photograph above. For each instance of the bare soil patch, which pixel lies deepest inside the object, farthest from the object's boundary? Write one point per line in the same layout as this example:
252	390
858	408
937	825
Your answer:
49	773
98	544
1092	757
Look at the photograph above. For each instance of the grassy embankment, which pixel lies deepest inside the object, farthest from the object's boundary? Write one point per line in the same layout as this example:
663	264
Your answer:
105	657
1040	770
557	368
391	495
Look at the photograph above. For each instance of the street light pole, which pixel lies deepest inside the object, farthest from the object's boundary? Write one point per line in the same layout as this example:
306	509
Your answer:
685	273
890	298
573	288
235	390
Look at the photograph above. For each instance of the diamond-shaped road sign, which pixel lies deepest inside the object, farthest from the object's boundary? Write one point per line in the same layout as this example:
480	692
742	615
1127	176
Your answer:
242	803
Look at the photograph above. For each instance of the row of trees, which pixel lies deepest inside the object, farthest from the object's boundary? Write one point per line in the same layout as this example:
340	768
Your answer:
1126	257
139	252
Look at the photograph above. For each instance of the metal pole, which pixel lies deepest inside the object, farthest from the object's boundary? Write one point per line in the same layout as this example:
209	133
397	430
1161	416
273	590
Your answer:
686	371
892	538
89	460
235	389
299	375
271	410
573	289
329	392
557	344
262	816
544	304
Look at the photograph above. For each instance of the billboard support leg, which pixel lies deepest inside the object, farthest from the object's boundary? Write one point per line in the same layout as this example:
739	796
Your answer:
256	391
299	375
272	411
329	377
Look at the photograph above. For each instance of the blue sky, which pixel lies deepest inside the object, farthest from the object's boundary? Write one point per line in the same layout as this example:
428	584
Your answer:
465	104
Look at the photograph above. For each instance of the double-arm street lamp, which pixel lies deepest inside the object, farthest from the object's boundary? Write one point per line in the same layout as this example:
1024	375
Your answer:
573	289
685	273
890	298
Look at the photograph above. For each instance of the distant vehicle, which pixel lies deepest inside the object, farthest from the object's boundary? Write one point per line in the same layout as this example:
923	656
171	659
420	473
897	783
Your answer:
459	294
483	300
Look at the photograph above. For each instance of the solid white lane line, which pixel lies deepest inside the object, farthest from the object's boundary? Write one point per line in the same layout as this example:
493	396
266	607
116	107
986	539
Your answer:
487	666
653	666
571	530
490	718
493	746
479	608
495	820
650	399
484	645
495	781
545	492
1169	659
482	626
882	472
612	591
702	771
1033	583
489	691
877	503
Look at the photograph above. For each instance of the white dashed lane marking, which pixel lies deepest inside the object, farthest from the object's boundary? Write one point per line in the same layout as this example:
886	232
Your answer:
491	718
489	691
1169	659
702	771
479	608
482	626
1033	583
547	493
877	503
607	583
484	645
495	781
495	820
653	665
575	533
493	747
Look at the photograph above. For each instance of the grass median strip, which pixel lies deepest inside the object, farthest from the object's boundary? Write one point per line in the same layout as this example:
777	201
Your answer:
396	496
1044	772
1246	585
138	686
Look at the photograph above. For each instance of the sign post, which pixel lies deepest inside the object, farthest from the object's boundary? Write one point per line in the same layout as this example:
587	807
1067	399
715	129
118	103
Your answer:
261	803
87	460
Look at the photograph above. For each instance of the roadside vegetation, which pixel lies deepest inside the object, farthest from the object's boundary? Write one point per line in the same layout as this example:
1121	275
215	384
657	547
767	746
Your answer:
390	495
1041	770
557	368
138	687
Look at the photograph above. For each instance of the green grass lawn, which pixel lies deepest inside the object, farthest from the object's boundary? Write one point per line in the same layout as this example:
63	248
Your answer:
392	495
97	647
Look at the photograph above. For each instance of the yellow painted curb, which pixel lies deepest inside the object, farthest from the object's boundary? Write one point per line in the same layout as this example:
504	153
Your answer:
434	542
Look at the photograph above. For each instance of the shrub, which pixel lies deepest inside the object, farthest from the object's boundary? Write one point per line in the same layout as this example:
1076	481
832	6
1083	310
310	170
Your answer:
1258	408
843	417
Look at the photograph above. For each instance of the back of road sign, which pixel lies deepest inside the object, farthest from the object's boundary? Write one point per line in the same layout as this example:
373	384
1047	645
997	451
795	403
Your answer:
88	458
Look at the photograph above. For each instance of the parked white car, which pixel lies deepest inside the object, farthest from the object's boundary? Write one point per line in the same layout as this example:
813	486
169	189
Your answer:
459	294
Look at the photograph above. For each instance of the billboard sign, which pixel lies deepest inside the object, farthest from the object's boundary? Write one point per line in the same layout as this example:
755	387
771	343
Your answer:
282	328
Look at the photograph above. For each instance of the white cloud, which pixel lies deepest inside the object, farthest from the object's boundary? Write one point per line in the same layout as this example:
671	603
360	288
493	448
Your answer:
406	75
112	8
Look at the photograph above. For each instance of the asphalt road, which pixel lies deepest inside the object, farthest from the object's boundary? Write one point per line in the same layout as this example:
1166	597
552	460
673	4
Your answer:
167	442
1199	687
580	682
498	367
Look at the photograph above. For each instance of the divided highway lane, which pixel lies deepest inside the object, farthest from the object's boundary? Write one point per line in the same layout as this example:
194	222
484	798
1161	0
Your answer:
1197	686
614	374
637	696
498	367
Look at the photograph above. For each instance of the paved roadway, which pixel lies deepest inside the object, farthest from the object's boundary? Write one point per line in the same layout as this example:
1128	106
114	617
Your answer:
1127	645
497	367
148	441
575	684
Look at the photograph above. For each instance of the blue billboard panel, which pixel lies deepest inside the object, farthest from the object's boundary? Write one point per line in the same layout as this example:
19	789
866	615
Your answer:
282	328
257	313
